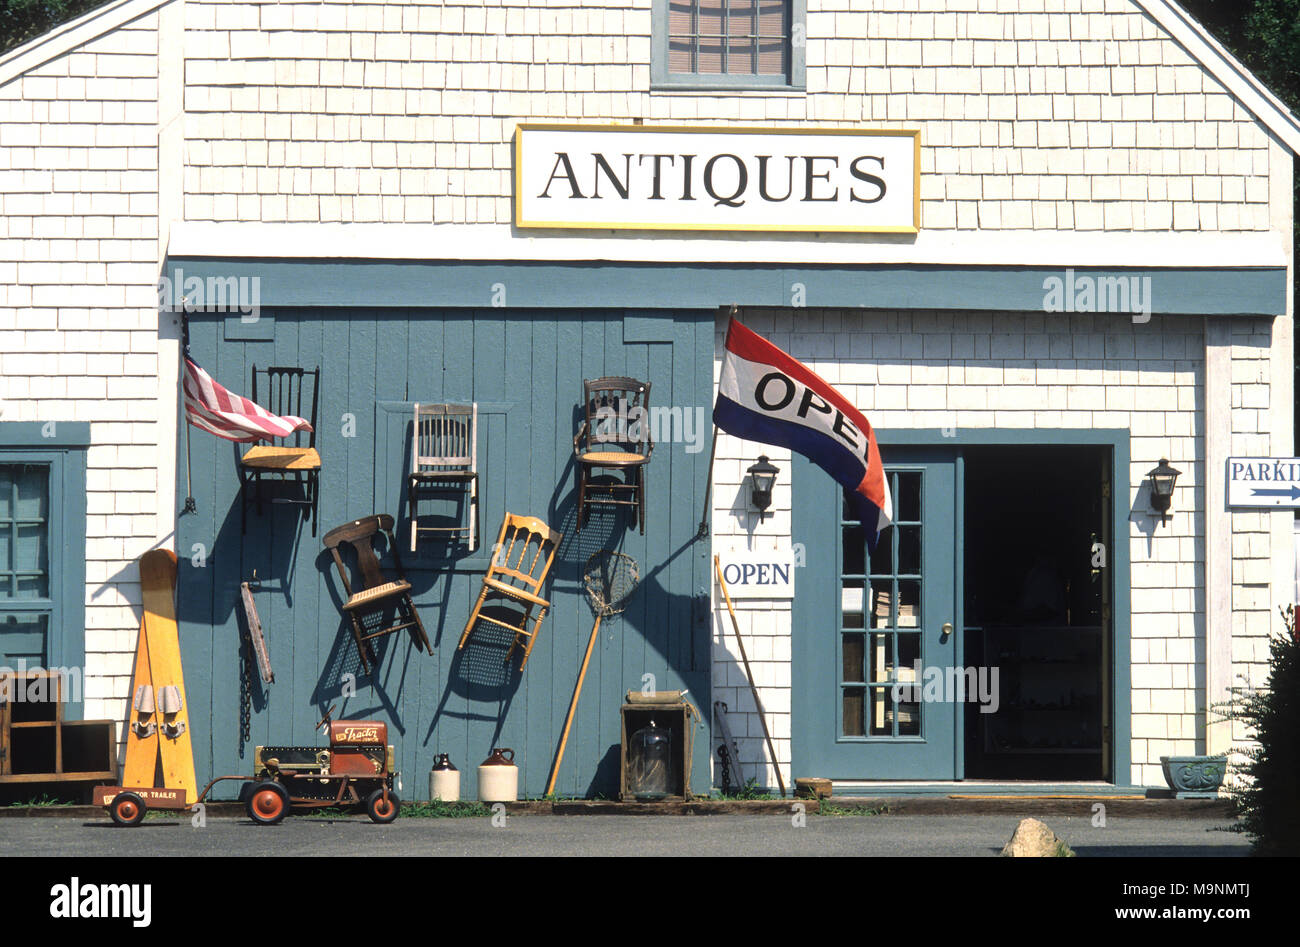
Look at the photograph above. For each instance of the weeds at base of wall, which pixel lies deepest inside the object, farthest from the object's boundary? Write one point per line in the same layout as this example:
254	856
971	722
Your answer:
750	791
437	809
829	809
41	802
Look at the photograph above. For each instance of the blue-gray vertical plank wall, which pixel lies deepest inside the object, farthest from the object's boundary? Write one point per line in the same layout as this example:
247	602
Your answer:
525	369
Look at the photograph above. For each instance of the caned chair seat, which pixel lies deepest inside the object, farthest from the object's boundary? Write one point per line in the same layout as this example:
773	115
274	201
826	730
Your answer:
365	596
513	591
611	457
272	457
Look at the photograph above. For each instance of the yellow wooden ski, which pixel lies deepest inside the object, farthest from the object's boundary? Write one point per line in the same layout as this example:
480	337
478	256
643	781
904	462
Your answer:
158	582
141	735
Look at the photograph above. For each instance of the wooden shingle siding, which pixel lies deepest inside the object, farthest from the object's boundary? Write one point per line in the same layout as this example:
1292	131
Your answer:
525	370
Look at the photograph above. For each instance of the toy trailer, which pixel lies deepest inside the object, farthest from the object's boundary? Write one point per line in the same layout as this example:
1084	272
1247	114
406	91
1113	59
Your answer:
356	770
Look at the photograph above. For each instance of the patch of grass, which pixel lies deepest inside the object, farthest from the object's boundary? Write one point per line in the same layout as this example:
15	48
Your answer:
1063	850
751	790
437	809
41	802
827	808
332	812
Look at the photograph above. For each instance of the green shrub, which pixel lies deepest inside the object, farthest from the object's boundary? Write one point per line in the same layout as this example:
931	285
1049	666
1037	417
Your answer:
1268	799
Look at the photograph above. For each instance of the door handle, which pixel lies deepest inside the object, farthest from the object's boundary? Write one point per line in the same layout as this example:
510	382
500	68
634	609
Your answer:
946	629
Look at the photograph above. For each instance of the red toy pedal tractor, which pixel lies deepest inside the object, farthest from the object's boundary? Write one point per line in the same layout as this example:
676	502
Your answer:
356	770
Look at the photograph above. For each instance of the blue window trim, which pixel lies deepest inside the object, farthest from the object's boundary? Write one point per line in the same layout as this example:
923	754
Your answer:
662	80
62	445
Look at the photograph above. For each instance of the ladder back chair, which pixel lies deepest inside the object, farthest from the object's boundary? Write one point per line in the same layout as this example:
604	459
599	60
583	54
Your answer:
521	560
375	591
444	460
281	390
614	435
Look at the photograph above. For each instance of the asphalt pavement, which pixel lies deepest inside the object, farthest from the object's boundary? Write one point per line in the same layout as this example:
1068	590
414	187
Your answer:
747	836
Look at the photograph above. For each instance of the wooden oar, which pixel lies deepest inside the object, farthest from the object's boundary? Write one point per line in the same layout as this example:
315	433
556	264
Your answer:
740	642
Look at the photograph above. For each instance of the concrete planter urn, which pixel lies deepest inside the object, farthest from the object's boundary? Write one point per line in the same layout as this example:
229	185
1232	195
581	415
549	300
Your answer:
1194	777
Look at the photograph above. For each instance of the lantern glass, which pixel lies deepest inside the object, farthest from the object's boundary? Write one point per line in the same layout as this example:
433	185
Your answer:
763	478
1163	479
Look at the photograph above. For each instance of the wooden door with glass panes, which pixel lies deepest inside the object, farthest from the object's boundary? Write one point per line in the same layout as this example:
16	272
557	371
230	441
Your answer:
873	639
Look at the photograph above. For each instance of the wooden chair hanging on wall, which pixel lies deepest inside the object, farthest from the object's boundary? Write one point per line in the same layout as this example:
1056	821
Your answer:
522	558
444	460
376	591
293	462
614	435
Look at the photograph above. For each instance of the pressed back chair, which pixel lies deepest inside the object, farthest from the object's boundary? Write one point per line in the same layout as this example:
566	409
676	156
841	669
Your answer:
521	561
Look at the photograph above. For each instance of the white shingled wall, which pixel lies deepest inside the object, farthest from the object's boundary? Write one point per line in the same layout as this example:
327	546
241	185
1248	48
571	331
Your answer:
1081	118
79	257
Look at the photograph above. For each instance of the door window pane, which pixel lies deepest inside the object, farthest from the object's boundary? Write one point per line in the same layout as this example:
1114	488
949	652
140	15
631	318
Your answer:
890	653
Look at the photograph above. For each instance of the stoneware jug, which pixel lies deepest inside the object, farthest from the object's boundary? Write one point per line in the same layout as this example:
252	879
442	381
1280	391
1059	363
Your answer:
498	777
444	780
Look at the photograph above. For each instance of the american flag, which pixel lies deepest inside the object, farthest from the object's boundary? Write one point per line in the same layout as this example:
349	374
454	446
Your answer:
212	408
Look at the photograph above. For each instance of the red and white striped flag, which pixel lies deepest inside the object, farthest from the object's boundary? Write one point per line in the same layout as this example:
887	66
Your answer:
212	408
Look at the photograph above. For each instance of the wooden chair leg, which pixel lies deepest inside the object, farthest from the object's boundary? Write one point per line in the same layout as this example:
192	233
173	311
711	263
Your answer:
473	617
417	631
640	497
314	479
410	509
582	495
363	646
532	639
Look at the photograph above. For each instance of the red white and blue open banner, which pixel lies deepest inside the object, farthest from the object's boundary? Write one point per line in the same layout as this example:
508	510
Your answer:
765	395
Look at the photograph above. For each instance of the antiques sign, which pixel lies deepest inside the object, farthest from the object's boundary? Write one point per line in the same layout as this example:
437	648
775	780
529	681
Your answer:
1263	482
648	177
759	574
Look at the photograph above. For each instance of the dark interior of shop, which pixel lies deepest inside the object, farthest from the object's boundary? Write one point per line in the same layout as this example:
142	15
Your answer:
1034	581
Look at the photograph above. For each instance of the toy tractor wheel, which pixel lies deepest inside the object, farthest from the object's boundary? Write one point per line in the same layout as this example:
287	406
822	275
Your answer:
381	811
127	808
268	803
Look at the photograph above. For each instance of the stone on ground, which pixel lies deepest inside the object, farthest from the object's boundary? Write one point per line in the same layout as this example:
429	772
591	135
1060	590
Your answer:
1033	839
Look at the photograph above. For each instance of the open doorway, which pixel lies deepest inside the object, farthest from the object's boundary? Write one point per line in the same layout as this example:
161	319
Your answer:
1037	608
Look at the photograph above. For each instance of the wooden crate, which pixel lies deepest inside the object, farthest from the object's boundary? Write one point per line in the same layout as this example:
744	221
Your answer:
675	717
38	746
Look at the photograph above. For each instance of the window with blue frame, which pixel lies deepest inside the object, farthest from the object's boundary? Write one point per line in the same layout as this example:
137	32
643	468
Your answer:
25	604
729	44
42	543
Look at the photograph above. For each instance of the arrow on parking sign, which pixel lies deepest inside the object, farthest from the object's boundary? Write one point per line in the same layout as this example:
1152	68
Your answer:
1292	492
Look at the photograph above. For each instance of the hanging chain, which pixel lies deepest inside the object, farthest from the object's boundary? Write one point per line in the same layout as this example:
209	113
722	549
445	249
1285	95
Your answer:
245	699
725	758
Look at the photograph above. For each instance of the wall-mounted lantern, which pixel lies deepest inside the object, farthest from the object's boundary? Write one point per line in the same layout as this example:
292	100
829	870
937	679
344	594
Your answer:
763	476
1162	477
